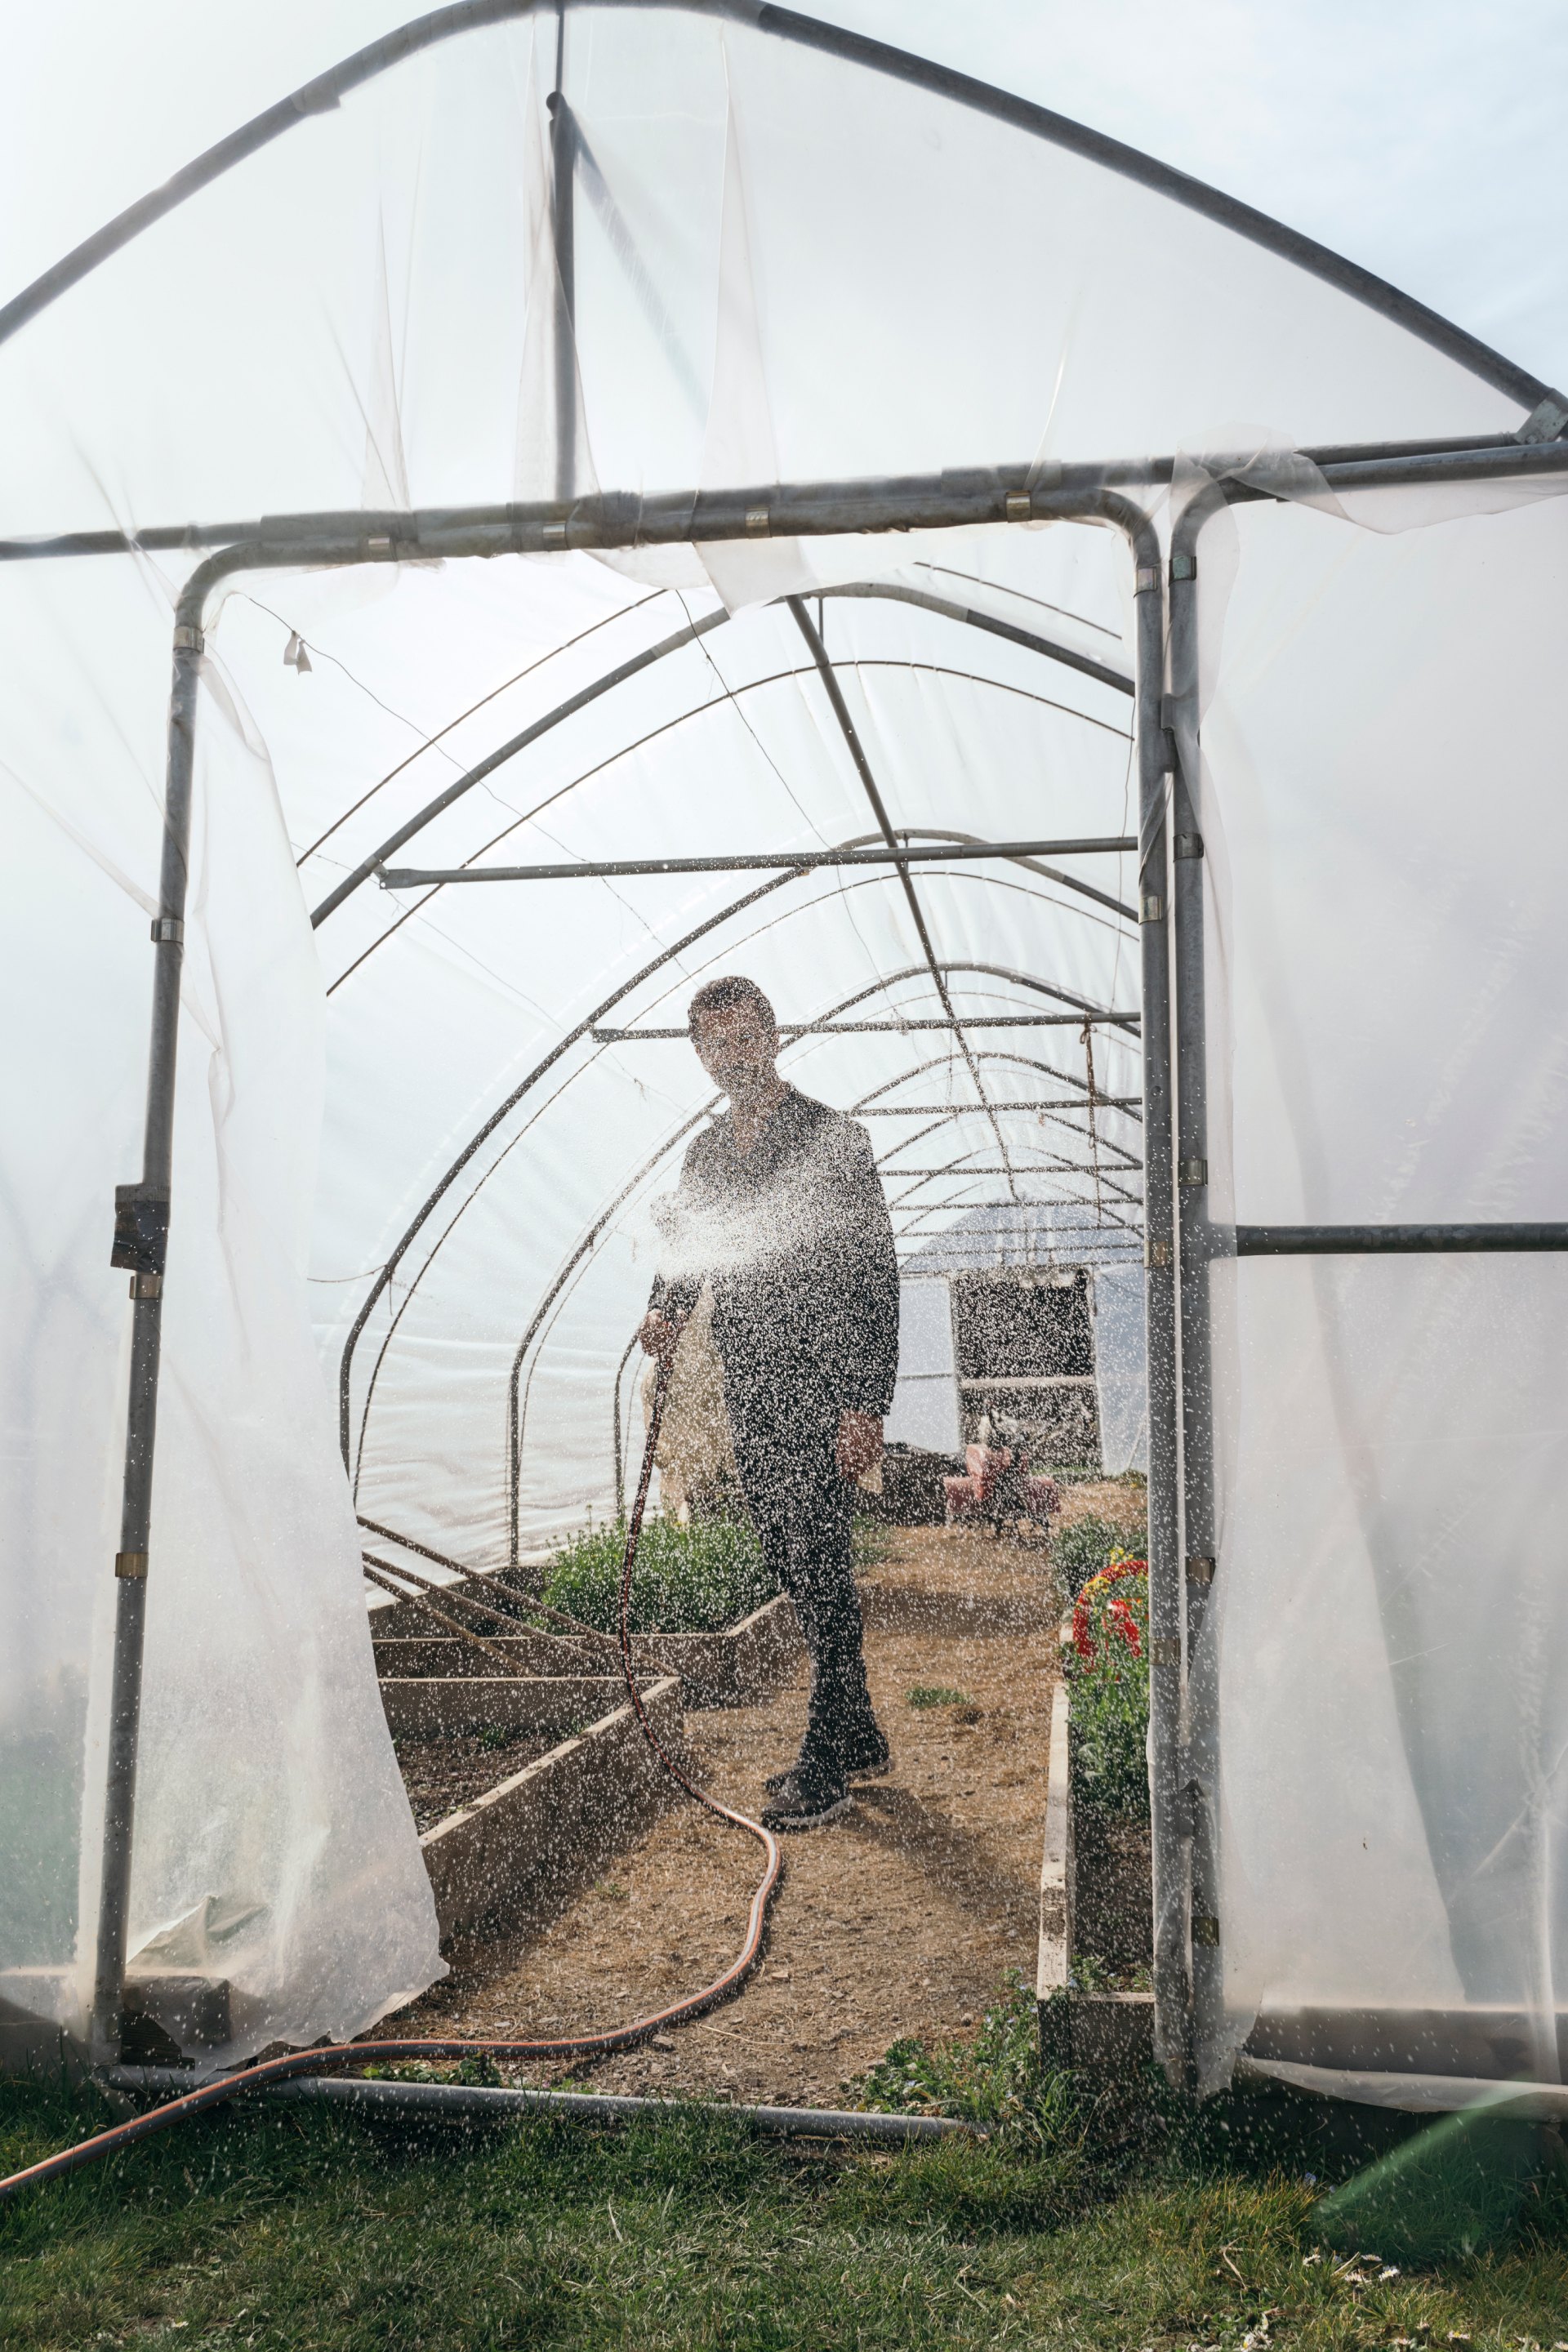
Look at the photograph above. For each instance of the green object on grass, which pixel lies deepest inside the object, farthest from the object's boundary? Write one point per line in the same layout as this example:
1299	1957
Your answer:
996	2080
1447	2193
693	1580
936	1694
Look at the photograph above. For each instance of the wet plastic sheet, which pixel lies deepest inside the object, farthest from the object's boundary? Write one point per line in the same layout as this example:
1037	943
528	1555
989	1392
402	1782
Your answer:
1384	1675
274	1845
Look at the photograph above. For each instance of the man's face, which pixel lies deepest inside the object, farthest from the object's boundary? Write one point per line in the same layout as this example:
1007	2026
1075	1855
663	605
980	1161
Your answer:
738	1048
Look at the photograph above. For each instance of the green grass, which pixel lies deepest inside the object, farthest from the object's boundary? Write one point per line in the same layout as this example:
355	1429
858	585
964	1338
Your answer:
693	1580
936	1694
1077	2229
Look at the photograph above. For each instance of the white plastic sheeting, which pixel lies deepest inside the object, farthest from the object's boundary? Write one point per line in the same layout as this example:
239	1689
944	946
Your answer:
274	1845
1389	1636
785	267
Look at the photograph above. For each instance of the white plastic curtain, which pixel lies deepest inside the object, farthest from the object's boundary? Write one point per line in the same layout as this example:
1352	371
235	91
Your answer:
785	268
1384	1667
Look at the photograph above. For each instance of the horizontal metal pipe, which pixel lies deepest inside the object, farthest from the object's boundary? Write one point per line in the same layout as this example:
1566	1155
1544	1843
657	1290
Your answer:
417	878
177	538
162	538
921	1258
886	503
475	2099
962	1110
896	1171
1355	1240
863	1028
1440	466
1087	1225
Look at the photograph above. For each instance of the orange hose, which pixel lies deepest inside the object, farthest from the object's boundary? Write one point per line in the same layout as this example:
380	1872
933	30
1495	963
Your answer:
582	2046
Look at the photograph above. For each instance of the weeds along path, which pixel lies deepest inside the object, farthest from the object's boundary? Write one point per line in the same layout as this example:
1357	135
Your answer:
899	1919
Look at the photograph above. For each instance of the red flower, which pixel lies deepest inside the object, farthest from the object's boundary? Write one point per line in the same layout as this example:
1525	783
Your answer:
1118	1614
1117	1611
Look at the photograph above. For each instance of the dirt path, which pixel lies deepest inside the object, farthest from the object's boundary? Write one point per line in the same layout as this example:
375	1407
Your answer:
900	1919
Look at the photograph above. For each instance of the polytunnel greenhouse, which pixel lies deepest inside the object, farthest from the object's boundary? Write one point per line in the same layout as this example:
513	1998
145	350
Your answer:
631	493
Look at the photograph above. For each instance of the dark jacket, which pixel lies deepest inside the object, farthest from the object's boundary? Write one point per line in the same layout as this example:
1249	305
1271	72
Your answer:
795	1239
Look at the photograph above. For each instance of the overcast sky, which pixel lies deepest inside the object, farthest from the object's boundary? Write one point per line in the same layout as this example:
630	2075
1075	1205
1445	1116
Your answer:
1423	137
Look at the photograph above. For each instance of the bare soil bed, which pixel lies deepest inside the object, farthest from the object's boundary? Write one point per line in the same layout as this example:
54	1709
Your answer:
900	1919
442	1774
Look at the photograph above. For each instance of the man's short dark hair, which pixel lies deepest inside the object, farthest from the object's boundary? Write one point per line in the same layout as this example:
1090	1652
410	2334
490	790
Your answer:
720	995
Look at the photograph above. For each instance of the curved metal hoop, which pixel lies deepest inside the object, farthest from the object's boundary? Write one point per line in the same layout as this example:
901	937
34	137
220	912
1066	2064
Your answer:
676	643
327	92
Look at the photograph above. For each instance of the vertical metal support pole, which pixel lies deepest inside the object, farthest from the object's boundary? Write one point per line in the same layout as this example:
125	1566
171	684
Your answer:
141	1225
563	190
1192	1191
1167	1807
140	1235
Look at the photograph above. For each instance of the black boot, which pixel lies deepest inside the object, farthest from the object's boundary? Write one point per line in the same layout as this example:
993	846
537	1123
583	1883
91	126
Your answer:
864	1754
810	1797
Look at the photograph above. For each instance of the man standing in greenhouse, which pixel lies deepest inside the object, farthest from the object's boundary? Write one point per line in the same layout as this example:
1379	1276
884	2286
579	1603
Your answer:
780	1208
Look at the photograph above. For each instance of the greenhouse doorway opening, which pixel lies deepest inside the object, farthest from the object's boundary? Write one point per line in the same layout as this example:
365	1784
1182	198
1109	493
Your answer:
1023	1347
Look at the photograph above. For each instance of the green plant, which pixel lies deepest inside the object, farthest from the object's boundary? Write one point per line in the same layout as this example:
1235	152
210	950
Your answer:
691	1580
1108	1667
496	1735
1081	1549
936	1694
996	2079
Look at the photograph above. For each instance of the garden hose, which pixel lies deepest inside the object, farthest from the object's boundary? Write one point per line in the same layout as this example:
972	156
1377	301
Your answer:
582	2046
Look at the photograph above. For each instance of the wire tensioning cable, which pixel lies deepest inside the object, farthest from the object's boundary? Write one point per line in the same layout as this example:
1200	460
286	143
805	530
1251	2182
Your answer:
582	2045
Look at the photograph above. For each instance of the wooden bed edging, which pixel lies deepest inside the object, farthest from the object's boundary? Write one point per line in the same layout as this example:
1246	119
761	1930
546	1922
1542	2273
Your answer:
1097	2033
437	1707
745	1661
556	1821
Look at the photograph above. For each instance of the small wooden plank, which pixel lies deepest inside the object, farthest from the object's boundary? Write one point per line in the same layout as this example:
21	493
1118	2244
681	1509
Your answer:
442	1657
431	1708
743	1663
1054	1969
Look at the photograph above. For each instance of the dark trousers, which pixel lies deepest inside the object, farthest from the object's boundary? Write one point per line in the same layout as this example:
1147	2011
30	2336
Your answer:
803	1509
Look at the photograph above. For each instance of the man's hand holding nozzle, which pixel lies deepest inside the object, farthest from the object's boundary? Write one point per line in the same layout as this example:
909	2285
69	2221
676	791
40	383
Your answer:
661	1335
